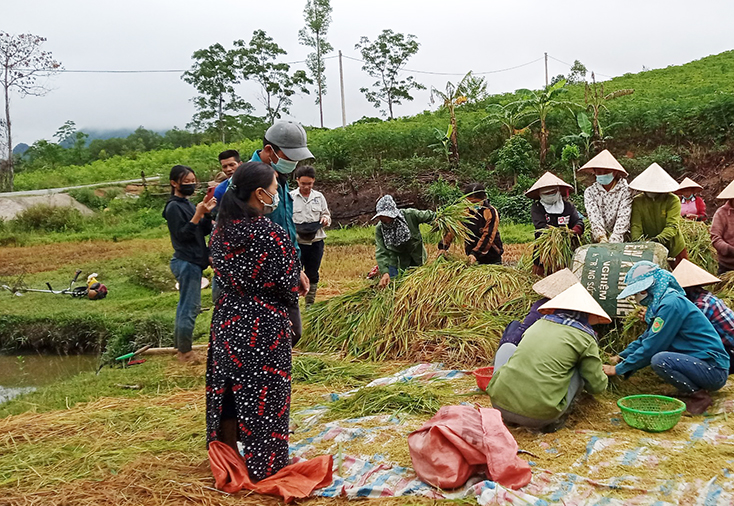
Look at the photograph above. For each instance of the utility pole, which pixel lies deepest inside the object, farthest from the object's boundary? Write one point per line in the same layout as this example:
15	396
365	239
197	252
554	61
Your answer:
341	82
546	70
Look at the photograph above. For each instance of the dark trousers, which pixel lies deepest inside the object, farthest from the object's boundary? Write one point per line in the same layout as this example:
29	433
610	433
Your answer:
311	255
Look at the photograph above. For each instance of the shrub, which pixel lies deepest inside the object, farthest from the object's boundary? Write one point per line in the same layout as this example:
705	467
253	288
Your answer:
49	218
442	193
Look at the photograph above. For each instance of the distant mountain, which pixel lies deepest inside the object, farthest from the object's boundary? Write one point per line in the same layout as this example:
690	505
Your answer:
20	148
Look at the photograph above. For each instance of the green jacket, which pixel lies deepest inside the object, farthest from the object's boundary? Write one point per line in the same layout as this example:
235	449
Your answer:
410	254
535	380
658	220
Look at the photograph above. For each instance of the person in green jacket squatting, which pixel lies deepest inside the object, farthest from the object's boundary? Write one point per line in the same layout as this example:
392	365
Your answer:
534	383
656	212
398	239
680	344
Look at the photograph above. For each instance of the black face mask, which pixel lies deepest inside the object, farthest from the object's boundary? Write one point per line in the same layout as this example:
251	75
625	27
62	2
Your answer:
187	189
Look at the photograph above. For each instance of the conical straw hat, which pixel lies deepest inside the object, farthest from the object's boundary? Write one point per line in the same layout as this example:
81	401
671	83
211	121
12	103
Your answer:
576	298
689	274
654	179
728	192
555	283
547	180
604	160
689	184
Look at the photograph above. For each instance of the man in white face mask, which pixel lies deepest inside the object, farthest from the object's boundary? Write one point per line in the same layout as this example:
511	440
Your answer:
656	212
284	145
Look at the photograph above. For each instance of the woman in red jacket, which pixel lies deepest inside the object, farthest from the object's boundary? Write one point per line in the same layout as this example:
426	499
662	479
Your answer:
692	206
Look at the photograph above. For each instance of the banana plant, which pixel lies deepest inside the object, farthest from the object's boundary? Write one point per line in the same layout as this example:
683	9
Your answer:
444	142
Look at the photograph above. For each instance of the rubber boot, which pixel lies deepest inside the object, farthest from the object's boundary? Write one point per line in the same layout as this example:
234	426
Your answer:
311	295
698	402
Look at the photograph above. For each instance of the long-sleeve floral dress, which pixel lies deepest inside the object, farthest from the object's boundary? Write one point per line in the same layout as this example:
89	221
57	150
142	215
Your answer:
249	362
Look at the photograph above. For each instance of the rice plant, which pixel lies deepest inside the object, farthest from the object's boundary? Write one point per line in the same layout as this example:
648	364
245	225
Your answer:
701	251
554	248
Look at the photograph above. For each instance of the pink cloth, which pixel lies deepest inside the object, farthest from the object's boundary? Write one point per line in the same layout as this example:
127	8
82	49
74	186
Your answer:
688	206
460	441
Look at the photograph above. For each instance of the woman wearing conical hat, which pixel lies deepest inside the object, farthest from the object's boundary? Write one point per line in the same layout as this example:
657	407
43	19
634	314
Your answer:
722	230
550	209
534	383
547	288
693	279
656	212
692	206
680	344
608	201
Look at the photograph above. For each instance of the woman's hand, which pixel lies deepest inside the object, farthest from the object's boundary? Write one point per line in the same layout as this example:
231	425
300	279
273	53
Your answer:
472	259
615	359
609	370
303	284
206	206
325	221
384	280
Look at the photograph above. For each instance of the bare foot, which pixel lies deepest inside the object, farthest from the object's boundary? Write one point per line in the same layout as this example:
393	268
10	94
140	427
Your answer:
190	357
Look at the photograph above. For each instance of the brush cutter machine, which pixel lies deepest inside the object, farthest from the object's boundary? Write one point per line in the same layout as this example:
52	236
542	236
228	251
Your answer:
93	290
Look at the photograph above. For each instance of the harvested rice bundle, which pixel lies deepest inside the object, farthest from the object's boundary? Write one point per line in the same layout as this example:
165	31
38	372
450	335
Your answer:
701	251
408	397
451	219
554	248
431	302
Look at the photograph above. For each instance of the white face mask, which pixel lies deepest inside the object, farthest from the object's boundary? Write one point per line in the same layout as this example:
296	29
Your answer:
550	198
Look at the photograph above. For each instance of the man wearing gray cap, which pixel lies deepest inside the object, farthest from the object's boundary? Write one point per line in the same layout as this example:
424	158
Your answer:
284	145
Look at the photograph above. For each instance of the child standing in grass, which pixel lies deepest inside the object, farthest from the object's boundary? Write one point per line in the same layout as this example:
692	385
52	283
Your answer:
188	225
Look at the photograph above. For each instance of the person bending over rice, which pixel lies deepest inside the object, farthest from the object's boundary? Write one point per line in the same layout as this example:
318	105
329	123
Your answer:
535	383
680	344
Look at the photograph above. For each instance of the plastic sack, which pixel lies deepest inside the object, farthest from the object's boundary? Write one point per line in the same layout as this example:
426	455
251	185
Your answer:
461	441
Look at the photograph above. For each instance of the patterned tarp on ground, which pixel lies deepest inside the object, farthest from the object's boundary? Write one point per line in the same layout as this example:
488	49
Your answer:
632	453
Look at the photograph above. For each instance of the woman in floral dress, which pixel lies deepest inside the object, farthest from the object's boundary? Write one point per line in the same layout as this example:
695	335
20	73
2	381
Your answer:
248	379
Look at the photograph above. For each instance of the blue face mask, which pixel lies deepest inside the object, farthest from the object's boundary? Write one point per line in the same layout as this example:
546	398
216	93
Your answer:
270	208
605	179
284	166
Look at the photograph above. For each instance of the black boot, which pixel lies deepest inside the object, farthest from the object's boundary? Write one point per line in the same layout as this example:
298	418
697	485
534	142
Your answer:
311	295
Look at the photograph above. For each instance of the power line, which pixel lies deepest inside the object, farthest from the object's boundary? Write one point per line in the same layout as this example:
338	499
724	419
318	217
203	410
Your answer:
455	74
150	71
571	66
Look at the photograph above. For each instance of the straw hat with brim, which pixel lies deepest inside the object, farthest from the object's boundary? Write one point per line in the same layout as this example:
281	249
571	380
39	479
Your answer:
576	298
635	282
689	274
546	181
689	184
604	160
555	283
728	192
654	179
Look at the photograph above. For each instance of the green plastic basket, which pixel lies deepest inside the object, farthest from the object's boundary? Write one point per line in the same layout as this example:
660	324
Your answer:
652	413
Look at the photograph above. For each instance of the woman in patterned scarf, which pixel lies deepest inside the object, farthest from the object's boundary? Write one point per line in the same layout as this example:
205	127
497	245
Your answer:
680	344
398	239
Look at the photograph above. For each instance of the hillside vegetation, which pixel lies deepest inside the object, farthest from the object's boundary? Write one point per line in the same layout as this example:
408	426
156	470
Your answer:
676	116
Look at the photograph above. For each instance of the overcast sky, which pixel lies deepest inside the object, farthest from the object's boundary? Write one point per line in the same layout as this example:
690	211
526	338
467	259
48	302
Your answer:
611	38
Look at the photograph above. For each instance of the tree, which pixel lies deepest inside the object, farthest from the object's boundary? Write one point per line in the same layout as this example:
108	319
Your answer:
22	63
577	74
595	100
542	103
454	96
384	59
318	17
214	77
256	61
509	116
